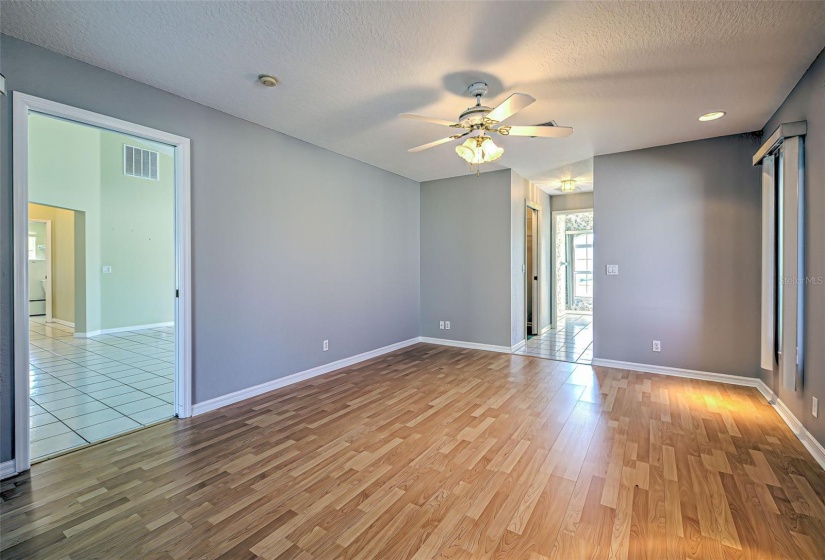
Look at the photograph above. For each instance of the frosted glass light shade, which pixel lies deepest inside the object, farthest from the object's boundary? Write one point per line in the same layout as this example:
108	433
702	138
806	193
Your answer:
491	152
479	149
467	150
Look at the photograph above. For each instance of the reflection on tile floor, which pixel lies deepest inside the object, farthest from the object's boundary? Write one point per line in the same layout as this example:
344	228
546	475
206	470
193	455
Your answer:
570	341
87	389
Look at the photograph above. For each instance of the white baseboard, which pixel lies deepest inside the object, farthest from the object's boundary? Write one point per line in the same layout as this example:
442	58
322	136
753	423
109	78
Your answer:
469	345
7	469
123	329
243	394
811	444
808	440
518	346
679	372
544	330
61	322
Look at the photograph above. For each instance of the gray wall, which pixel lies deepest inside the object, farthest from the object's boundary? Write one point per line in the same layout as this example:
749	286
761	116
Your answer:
575	201
683	223
292	244
465	258
807	102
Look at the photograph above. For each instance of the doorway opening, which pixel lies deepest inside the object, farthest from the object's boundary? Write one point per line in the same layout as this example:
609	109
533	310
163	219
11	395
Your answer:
102	313
569	336
573	279
40	267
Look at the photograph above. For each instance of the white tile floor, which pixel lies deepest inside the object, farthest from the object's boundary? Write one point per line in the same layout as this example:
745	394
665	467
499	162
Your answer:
570	341
87	389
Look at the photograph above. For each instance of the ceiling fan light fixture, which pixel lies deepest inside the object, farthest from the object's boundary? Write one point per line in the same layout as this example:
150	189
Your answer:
481	120
568	186
479	149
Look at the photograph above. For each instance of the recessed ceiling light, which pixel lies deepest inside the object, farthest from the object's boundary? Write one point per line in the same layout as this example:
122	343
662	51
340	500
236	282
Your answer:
712	116
267	80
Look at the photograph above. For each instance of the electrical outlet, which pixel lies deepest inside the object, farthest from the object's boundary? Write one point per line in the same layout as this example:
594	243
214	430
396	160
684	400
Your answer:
441	325
447	325
657	345
326	345
107	270
815	407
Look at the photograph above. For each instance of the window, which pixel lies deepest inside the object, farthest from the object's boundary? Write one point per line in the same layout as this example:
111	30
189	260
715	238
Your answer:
138	162
783	250
583	265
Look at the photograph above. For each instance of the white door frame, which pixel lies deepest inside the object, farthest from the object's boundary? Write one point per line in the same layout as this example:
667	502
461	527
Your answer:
528	282
23	104
554	301
48	287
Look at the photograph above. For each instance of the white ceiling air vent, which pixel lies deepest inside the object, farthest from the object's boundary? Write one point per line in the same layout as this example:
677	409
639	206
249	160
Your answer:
138	162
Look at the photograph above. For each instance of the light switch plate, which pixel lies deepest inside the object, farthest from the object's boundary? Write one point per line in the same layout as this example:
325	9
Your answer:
441	325
326	345
447	325
815	407
612	269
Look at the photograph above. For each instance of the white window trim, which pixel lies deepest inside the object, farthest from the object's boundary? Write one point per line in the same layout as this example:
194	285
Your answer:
768	262
786	140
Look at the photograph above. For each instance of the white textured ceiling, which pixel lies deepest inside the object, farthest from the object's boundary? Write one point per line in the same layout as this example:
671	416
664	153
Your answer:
624	75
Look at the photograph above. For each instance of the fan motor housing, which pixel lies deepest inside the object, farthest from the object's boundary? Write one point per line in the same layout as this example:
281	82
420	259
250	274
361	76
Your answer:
474	115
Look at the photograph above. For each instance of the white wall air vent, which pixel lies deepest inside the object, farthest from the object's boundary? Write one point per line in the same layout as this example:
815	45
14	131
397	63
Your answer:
138	162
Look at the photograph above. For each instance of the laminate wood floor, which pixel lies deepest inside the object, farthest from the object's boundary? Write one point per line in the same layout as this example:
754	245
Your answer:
439	452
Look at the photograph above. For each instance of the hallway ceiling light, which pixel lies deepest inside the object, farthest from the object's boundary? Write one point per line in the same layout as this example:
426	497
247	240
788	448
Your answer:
568	186
712	116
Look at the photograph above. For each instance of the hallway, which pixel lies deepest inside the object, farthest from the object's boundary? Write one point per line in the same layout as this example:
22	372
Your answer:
570	341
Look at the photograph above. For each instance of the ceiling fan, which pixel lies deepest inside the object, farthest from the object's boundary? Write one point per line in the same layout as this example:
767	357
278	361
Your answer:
480	148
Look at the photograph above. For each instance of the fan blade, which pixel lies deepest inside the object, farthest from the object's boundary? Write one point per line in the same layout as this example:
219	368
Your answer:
541	131
511	106
414	117
437	142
